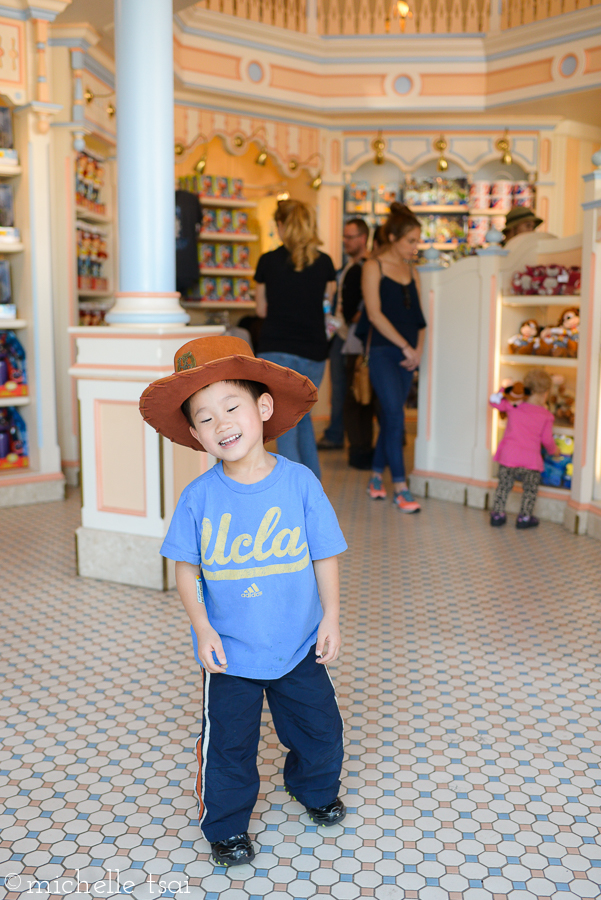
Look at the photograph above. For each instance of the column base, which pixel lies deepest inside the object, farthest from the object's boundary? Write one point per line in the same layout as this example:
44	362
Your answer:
21	491
147	310
124	558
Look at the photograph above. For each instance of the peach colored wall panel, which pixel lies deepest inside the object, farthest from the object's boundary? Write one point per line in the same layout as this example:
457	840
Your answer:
545	156
11	59
206	62
335	157
120	479
572	185
188	464
593	60
327	85
518	77
451	85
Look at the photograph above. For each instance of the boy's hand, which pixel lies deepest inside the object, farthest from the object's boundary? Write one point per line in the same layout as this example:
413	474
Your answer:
327	633
209	641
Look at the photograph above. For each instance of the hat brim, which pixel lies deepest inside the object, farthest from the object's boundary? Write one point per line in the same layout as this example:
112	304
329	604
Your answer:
519	219
293	395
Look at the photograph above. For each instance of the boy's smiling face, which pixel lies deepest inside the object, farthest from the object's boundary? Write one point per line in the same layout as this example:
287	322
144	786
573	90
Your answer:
228	421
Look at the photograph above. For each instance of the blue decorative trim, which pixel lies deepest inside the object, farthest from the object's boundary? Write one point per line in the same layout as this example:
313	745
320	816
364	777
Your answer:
592	204
23	15
492	251
71	43
592	176
117	318
99	71
541	45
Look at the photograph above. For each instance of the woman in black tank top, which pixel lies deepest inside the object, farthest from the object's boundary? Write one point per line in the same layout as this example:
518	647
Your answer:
396	339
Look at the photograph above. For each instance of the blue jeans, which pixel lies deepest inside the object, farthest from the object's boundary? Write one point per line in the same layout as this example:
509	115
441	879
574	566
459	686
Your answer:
298	444
391	383
335	430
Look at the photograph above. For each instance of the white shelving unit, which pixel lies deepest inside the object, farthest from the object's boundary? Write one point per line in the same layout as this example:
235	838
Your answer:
11	247
82	212
231	272
218	304
12	324
520	300
14	401
245	238
517	359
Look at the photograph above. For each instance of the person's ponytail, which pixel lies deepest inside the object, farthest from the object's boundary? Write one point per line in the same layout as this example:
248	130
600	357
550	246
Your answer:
300	236
399	222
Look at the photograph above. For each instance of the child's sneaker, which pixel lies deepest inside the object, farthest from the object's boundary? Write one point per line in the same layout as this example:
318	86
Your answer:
375	488
406	502
497	519
235	851
527	522
331	814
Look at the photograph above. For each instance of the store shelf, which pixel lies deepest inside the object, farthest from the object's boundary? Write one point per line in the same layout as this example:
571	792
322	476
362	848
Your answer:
227	203
216	304
9	171
228	236
426	244
563	429
11	247
83	213
488	212
95	293
14	401
420	210
514	359
540	300
233	273
12	324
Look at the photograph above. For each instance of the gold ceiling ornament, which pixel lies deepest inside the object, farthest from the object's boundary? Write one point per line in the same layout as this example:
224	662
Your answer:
240	140
504	147
179	149
400	9
294	164
441	145
379	146
111	109
89	95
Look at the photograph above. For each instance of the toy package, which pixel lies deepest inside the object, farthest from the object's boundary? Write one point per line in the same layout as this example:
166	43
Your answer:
501	196
242	290
221	186
224	220
359	198
240	221
421	193
477	229
207	186
206	255
89	179
523	194
225	290
385	195
235	188
453	191
7	212
241	256
6	294
558	469
6	128
13	373
450	229
224	256
561	401
14	450
208	291
480	195
209	219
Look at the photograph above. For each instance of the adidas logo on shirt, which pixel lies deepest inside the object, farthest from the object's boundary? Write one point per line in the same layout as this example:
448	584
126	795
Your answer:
252	591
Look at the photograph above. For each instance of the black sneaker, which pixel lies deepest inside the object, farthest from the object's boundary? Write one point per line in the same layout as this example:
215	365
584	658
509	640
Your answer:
526	522
497	519
235	851
328	815
326	444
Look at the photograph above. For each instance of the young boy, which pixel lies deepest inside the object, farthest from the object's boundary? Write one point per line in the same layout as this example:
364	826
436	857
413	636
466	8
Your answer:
266	540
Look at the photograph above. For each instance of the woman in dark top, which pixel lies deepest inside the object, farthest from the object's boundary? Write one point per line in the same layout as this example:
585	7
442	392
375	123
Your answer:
292	283
397	333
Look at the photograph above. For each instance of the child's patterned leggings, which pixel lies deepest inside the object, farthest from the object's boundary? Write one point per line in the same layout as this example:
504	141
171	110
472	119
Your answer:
530	482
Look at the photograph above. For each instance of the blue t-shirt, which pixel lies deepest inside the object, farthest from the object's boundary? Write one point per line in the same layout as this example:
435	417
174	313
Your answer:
255	544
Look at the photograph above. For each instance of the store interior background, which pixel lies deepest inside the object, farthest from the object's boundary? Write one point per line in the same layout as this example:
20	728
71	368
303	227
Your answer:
313	87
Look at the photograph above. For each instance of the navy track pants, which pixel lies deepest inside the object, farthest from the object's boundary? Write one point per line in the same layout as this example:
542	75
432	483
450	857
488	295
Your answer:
307	721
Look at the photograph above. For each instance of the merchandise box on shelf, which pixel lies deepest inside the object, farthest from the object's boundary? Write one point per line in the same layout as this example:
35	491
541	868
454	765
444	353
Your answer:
89	180
14	449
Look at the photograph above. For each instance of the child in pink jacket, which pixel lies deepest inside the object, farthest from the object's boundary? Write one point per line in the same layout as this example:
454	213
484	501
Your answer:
529	426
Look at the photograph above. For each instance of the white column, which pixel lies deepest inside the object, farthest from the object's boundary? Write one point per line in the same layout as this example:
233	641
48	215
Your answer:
146	201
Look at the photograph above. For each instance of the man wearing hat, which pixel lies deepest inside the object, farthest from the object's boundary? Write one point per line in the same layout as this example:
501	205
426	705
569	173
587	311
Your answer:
520	220
255	542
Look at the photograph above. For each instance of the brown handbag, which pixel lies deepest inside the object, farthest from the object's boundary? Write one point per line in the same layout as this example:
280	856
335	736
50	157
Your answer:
361	386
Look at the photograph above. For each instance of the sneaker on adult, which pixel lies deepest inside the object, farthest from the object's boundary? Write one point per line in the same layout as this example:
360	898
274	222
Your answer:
526	522
235	851
406	502
326	444
330	814
375	488
497	519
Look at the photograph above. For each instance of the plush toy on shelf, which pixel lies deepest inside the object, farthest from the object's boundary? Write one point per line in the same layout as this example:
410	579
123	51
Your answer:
523	342
561	401
570	320
514	392
562	339
548	281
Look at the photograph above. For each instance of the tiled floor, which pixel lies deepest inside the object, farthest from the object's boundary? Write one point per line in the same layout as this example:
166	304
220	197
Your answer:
469	683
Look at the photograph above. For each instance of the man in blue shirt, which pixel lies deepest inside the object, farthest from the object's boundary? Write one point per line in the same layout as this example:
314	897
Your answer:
255	541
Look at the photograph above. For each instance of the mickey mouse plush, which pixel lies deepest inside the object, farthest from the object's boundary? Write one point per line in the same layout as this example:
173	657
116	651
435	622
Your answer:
523	342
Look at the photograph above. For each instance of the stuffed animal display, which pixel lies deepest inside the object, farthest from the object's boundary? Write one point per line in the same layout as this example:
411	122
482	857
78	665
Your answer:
559	340
547	280
561	401
558	469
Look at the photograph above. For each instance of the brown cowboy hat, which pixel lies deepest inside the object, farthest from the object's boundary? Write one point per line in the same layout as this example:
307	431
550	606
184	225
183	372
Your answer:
206	360
520	214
